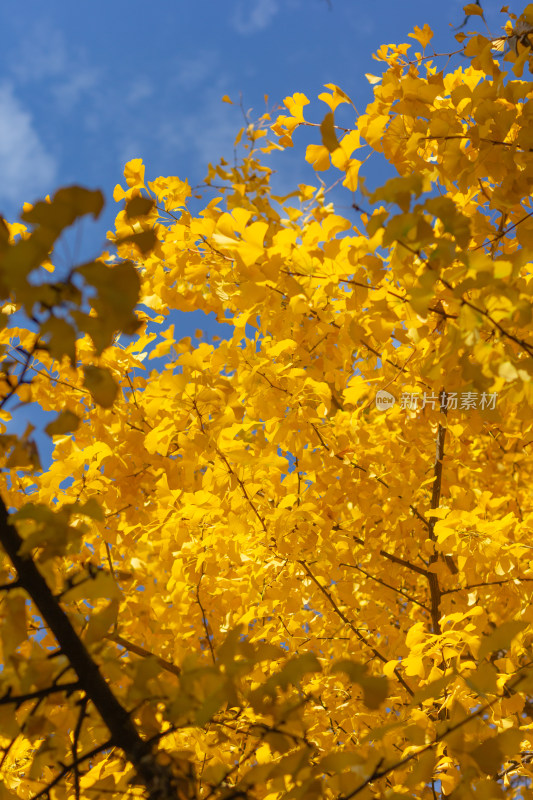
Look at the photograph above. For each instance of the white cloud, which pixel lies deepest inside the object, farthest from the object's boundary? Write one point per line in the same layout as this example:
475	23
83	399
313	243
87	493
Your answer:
129	147
191	72
251	16
70	90
40	54
27	169
205	130
43	55
208	133
139	91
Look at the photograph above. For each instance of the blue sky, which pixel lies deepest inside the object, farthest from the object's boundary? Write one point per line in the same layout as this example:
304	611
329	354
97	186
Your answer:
84	87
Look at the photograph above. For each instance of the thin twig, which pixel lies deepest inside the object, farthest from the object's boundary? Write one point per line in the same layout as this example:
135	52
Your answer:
352	627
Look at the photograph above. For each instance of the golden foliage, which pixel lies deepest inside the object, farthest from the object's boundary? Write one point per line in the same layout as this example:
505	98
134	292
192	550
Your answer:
297	591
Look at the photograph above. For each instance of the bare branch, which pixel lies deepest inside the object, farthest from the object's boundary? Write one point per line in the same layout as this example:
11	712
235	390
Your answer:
19	699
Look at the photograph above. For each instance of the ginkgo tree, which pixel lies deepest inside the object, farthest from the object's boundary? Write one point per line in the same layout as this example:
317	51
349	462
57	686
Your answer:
295	562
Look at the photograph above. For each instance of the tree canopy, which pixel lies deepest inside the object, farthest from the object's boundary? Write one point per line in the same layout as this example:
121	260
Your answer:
295	562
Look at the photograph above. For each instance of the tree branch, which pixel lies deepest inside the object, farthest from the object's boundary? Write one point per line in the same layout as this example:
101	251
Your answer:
69	767
486	583
388	585
352	627
19	699
434	588
380	773
525	346
395	559
141	651
158	778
